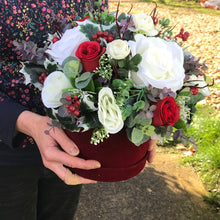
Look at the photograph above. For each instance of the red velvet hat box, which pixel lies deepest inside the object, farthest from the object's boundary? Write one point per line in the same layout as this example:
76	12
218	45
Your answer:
120	159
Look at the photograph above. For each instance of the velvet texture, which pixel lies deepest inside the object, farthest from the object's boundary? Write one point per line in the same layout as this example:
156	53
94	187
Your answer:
120	158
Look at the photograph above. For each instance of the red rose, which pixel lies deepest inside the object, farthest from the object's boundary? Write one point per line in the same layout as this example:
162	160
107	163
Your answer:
167	112
89	53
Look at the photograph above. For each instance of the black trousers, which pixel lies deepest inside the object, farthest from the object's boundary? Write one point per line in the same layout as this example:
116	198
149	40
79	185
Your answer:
35	193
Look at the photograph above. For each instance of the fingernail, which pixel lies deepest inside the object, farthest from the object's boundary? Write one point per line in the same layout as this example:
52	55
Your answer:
73	151
97	165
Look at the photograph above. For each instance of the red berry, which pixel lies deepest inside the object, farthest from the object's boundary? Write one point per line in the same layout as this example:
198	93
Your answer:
55	39
77	103
99	33
194	90
105	34
106	38
67	106
43	75
94	36
68	98
40	78
76	112
110	38
72	108
99	40
69	112
75	97
200	74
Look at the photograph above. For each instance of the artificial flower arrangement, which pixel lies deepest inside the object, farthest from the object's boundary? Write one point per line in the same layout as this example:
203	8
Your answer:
113	72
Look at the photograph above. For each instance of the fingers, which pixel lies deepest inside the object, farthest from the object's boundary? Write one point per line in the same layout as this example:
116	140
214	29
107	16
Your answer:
152	150
74	179
54	154
151	155
65	142
152	145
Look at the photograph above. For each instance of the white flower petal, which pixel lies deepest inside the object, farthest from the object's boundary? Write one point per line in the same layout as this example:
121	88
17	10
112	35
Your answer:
52	90
67	45
108	111
161	65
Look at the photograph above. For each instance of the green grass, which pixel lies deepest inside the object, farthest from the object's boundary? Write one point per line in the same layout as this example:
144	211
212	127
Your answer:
206	160
190	5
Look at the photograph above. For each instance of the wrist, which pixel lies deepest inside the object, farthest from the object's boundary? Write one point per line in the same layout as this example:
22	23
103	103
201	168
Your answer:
27	122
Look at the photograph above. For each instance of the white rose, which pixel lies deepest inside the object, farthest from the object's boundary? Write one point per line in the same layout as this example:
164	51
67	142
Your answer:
52	90
67	45
108	111
161	65
118	49
144	24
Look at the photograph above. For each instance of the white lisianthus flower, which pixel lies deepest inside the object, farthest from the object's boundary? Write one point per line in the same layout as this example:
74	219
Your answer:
52	90
67	45
118	49
161	65
108	111
144	24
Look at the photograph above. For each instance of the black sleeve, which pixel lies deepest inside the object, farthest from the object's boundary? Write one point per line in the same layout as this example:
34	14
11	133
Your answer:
9	112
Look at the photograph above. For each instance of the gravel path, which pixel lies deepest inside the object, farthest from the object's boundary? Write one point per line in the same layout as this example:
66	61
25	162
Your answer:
163	191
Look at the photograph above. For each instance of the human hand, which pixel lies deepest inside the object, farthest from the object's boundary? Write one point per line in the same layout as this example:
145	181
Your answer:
53	157
152	150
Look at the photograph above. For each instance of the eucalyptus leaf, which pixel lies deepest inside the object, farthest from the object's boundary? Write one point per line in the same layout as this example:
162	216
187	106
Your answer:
138	105
118	83
121	63
83	81
136	135
71	68
62	111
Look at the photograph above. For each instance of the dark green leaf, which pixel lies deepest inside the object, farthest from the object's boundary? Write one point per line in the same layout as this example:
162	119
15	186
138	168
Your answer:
89	30
123	73
181	124
136	59
121	63
34	71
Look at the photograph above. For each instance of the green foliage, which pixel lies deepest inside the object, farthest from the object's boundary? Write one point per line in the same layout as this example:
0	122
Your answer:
206	160
88	30
34	70
105	69
71	67
98	16
127	65
164	22
83	80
